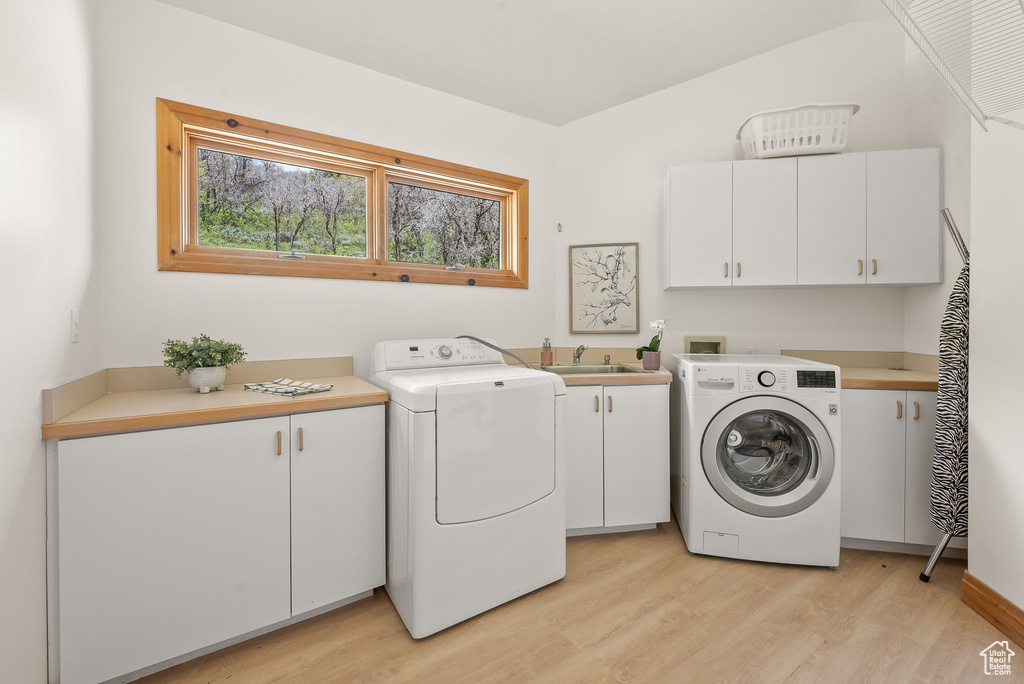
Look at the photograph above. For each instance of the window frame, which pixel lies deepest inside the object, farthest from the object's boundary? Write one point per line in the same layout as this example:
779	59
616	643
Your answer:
182	129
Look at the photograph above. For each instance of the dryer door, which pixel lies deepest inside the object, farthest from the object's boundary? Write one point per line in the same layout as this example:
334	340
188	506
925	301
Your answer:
768	456
495	447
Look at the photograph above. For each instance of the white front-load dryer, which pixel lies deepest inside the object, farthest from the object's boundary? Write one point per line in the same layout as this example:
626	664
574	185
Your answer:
475	479
756	457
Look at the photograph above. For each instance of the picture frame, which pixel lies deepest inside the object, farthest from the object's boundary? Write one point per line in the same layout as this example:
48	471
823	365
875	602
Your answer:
604	288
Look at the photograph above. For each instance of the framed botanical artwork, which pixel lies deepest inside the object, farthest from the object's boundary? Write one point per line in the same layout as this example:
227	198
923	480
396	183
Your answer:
604	288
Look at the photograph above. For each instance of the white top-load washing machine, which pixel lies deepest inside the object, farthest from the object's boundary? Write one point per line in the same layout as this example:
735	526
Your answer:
756	457
475	479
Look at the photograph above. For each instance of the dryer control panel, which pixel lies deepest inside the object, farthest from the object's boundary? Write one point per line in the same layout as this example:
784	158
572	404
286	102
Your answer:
444	353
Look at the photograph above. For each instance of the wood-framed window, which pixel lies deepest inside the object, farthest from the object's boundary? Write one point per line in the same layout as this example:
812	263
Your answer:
238	195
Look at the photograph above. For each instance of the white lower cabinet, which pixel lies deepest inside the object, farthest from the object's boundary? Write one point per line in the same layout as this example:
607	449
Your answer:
337	505
874	464
584	440
888	443
618	456
174	540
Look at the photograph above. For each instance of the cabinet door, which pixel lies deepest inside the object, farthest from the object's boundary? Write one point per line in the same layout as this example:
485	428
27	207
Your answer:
831	220
874	464
337	505
920	451
636	467
698	226
584	442
903	220
169	541
764	222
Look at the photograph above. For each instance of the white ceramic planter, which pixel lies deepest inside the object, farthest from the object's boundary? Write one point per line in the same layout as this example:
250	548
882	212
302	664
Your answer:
205	379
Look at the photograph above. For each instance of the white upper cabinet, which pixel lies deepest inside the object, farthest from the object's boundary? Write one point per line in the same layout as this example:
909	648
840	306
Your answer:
698	226
764	222
837	219
831	220
903	229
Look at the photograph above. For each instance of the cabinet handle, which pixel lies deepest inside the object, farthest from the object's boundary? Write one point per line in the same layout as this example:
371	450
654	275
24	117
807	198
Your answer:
739	270
609	403
300	439
279	443
899	410
917	411
860	267
874	267
597	404
726	269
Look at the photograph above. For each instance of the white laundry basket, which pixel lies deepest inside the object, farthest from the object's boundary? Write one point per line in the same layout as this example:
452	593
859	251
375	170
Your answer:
807	129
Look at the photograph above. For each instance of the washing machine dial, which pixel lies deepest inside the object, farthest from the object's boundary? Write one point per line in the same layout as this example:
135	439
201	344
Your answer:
766	378
444	351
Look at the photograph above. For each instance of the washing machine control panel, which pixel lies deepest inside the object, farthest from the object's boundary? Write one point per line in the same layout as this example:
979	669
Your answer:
437	353
755	378
818	379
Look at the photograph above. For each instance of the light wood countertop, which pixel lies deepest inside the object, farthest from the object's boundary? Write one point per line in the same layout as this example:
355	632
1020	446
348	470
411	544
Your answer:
879	370
888	378
179	406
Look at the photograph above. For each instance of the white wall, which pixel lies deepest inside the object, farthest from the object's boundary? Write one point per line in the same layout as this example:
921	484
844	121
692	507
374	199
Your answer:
47	229
935	118
212	64
611	165
996	472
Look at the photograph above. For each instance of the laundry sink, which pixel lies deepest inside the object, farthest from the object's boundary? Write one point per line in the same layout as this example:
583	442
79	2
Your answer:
590	369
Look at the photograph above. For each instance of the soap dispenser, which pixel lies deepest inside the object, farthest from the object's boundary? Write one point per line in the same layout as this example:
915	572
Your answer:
546	354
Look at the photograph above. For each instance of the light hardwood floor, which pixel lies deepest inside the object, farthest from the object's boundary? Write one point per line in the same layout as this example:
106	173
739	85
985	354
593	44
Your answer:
638	608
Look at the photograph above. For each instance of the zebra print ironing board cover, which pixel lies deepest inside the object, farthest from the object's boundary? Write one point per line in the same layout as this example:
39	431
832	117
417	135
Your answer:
949	465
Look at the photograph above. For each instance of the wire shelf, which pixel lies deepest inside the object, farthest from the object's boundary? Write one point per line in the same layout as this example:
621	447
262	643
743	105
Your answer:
977	46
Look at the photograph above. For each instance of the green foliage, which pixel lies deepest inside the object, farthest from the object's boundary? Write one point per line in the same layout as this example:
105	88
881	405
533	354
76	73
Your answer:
654	346
201	352
249	203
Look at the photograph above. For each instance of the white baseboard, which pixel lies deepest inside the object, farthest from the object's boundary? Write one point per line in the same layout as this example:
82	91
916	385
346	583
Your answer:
899	547
145	672
585	531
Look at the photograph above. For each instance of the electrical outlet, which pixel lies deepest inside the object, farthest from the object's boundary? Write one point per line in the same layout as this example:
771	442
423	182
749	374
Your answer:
74	326
750	351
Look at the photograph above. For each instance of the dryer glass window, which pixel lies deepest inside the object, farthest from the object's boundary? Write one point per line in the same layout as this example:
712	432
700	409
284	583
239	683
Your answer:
766	453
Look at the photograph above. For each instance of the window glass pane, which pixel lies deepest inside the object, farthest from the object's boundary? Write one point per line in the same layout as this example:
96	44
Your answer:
428	226
251	203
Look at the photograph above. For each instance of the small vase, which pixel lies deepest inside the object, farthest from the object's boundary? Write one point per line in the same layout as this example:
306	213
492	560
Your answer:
652	360
205	379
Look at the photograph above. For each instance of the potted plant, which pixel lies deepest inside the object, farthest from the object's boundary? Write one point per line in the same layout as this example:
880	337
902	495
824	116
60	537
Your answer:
651	354
206	361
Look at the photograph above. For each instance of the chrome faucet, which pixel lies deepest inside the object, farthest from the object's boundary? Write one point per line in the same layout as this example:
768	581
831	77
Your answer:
578	353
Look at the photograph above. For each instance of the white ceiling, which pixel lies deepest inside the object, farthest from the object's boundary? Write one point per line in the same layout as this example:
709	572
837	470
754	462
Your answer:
550	60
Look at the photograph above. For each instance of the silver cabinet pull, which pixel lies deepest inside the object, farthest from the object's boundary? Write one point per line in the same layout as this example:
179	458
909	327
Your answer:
300	440
597	404
874	267
917	411
279	443
726	269
899	410
860	267
609	404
